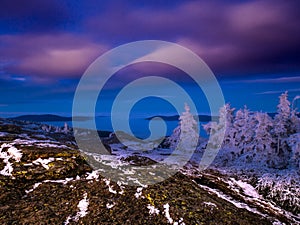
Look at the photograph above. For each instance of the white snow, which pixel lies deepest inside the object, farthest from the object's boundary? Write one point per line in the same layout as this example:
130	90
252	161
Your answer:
65	181
15	153
109	206
7	170
152	210
67	220
180	222
43	162
278	223
33	188
120	184
110	189
284	187
138	192
229	199
83	207
247	188
50	145
210	204
93	175
167	213
11	153
83	210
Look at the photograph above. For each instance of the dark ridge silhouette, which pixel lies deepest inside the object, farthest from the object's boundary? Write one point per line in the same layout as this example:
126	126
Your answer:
48	118
202	118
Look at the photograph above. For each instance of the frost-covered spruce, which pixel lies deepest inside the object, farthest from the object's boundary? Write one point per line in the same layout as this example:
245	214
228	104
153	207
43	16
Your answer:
263	140
243	130
282	130
224	128
238	127
66	128
294	144
282	118
226	121
185	136
295	121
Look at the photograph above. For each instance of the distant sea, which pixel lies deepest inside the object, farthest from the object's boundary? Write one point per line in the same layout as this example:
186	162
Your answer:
138	126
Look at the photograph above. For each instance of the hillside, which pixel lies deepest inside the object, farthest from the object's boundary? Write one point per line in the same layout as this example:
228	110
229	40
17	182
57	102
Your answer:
46	180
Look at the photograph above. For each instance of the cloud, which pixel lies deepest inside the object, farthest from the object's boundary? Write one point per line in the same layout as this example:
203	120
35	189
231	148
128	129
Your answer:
50	56
34	16
233	38
273	80
278	92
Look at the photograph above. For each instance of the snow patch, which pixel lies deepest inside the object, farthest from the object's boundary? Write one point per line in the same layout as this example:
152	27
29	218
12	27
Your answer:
229	199
83	210
167	213
247	188
109	206
43	162
170	220
138	192
93	175
210	204
110	189
11	153
83	207
152	210
33	188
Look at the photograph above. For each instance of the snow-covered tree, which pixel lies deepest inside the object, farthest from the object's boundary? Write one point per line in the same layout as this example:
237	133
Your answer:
240	130
282	118
216	130
259	149
283	128
188	132
66	128
238	127
57	129
185	133
263	138
47	128
294	143
244	127
226	122
295	120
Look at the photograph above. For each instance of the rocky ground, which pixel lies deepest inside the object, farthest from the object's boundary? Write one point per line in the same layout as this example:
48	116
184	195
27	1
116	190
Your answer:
44	179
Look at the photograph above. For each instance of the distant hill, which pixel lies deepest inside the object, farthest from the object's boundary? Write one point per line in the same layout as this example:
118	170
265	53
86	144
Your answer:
48	118
202	118
56	118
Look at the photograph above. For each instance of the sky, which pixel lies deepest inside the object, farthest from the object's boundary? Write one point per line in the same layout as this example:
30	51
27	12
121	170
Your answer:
252	47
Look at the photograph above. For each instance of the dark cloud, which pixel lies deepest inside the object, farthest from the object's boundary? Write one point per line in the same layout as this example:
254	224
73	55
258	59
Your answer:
34	15
233	37
46	45
241	37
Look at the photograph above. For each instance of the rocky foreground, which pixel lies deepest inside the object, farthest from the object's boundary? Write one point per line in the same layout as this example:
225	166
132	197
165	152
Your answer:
44	179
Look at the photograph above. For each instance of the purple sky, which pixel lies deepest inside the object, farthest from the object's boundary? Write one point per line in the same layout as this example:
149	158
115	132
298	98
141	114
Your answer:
253	47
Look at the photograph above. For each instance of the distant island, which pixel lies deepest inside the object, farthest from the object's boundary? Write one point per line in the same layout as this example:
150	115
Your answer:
202	118
57	118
